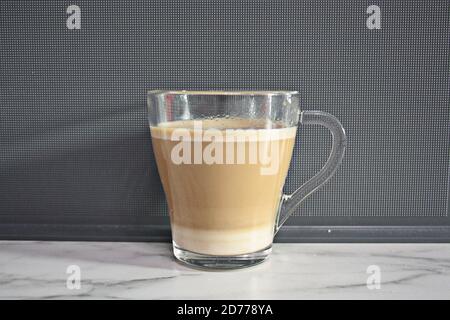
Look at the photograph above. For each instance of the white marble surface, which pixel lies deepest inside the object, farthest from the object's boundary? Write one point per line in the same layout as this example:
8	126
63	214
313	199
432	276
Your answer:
294	271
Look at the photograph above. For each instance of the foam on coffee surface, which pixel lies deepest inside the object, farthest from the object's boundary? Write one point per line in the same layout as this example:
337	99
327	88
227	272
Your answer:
249	129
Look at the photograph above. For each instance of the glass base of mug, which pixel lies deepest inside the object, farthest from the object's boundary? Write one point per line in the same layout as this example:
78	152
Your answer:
211	262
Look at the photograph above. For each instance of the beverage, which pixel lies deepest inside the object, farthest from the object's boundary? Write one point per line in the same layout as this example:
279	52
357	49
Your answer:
223	158
223	183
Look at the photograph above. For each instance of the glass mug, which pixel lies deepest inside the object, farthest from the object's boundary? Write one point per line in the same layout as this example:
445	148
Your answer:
223	158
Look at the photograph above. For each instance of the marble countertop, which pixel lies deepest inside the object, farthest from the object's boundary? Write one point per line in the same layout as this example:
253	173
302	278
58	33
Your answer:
111	270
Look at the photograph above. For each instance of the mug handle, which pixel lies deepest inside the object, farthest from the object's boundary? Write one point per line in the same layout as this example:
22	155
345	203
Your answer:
290	202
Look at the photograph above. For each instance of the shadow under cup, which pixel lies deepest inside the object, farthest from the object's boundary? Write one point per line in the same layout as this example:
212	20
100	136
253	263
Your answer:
223	158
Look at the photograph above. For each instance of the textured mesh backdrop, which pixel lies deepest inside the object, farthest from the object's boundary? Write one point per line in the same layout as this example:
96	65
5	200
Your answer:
74	142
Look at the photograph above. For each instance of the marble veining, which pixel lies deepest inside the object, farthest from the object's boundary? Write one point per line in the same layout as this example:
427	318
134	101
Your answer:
112	270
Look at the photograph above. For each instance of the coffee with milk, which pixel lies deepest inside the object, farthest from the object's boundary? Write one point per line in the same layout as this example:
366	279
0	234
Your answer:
223	179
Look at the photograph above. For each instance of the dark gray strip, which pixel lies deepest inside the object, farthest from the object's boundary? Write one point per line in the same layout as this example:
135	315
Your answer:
296	234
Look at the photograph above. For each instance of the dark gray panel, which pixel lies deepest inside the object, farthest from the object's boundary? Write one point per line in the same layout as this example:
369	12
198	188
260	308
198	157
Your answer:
75	151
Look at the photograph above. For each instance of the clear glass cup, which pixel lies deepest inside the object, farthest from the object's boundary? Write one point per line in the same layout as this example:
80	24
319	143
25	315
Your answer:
223	157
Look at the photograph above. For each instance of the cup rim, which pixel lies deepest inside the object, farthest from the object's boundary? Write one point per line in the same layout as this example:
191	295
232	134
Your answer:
223	92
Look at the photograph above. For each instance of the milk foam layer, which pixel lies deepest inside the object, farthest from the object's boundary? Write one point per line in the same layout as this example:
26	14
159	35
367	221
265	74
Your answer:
230	129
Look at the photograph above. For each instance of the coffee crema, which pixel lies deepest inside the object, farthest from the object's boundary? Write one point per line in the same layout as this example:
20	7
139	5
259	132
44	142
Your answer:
224	204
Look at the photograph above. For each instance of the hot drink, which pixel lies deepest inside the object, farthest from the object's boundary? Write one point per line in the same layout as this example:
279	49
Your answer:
223	179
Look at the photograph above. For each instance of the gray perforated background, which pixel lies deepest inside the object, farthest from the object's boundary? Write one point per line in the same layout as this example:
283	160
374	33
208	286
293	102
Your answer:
75	151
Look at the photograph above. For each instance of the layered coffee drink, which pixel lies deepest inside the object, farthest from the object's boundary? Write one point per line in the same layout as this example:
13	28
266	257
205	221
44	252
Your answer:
223	180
